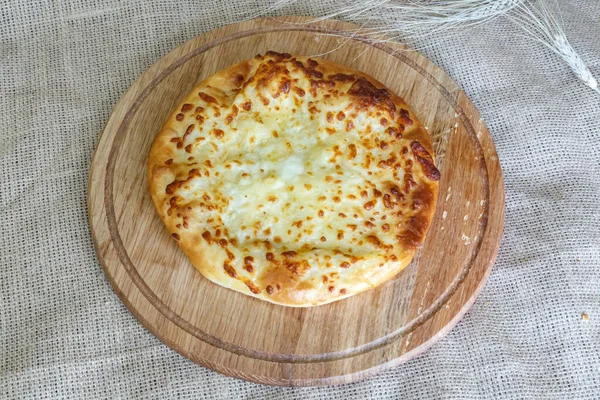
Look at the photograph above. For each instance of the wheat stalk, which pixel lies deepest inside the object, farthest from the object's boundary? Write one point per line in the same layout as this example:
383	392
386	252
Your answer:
536	20
414	20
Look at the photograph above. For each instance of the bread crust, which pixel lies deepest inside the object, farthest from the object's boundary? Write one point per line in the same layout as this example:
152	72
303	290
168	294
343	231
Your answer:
197	163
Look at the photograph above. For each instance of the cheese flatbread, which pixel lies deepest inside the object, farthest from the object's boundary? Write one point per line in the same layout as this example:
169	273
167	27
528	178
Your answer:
294	180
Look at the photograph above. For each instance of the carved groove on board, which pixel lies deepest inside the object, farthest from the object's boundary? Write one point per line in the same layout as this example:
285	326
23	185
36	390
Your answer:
261	355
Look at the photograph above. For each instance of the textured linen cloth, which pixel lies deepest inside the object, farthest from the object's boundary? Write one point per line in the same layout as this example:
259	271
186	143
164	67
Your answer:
65	334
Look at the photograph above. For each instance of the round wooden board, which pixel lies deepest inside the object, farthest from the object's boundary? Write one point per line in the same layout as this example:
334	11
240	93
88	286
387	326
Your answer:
254	340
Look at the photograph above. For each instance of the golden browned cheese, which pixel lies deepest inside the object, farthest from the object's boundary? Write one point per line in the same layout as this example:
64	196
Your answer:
294	180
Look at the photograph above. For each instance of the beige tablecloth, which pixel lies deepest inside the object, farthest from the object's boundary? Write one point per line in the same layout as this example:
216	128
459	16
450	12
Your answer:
65	334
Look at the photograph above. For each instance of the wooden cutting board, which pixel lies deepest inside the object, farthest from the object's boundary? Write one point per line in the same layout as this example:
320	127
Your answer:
254	340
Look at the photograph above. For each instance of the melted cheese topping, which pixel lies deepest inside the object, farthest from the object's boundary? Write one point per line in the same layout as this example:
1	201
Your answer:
300	184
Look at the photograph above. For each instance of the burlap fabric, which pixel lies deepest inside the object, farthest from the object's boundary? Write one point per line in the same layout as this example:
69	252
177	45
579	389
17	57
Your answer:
65	334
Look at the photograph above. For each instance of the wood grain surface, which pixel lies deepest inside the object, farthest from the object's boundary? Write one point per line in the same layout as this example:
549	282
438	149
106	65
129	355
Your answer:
258	341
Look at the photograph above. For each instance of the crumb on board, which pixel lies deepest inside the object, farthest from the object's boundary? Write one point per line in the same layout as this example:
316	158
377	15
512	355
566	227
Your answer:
408	339
466	239
444	214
